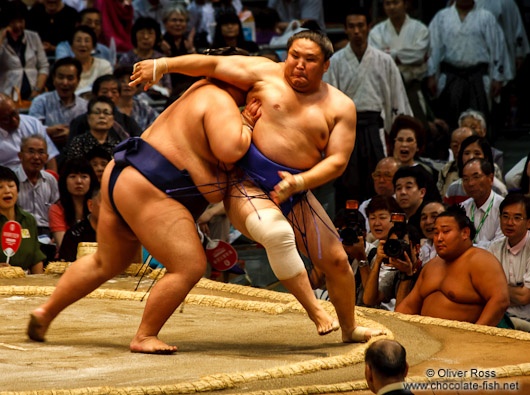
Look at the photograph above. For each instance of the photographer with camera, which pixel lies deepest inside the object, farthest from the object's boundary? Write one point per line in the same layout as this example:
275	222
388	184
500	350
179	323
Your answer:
397	259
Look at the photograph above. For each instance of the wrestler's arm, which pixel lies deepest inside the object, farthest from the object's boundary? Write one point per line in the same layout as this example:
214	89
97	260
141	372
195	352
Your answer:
337	155
413	302
241	71
488	279
229	139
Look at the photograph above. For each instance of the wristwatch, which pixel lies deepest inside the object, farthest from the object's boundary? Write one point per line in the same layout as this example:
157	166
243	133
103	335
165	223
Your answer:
363	263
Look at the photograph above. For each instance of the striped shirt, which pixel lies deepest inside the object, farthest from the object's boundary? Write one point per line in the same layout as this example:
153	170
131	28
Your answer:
37	199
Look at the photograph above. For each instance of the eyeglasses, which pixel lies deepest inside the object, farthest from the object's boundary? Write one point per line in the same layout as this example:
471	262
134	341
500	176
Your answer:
106	113
516	218
382	174
32	152
408	140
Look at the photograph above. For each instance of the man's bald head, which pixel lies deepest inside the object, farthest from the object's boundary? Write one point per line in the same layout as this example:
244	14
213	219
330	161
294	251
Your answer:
9	118
458	136
386	363
384	174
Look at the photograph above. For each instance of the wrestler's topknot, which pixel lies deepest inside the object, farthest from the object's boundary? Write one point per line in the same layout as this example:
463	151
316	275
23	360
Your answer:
318	38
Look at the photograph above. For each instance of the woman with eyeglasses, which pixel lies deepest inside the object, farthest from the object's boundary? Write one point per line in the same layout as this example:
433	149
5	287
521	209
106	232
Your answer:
76	182
407	142
100	117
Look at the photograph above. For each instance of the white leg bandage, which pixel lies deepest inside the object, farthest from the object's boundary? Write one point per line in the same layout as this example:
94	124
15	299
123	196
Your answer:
272	230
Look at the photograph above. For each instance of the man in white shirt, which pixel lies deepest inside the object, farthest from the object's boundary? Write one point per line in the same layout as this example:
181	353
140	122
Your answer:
482	208
372	80
509	18
513	251
469	61
407	41
13	127
38	189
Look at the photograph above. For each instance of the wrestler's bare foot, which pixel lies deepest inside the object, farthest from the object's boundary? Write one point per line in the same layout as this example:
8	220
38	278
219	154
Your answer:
38	325
361	334
324	322
151	345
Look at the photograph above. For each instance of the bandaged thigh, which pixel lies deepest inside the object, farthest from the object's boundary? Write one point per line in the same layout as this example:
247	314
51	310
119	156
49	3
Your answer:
272	230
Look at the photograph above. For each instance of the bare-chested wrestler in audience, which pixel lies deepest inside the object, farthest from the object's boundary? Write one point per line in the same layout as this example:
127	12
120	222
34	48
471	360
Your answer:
210	131
463	282
302	140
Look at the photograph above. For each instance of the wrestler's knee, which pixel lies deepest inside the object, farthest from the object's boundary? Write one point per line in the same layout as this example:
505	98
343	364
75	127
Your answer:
271	229
190	271
335	263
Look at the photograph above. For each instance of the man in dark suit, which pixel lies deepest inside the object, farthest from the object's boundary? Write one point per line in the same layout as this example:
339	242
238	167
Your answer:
386	368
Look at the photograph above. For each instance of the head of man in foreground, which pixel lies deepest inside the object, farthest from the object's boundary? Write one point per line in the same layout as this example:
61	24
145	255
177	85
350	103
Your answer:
386	366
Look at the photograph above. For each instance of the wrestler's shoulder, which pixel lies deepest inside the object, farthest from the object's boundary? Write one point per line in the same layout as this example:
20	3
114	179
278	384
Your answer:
337	97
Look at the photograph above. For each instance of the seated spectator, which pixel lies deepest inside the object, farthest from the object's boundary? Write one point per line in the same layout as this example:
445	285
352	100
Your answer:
229	33
14	127
386	367
98	158
203	15
177	41
128	102
463	283
409	186
429	213
482	207
513	252
29	256
23	62
76	183
83	42
145	36
379	212
58	108
524	187
90	17
84	231
100	120
38	189
54	21
403	269
475	120
124	126
213	222
449	172
407	140
473	147
382	178
513	177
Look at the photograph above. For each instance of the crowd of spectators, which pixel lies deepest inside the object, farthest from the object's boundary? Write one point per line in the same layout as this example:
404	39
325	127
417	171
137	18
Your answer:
430	96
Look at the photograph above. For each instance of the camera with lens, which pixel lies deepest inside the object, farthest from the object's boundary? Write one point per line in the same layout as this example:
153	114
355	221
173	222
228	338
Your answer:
396	248
354	229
